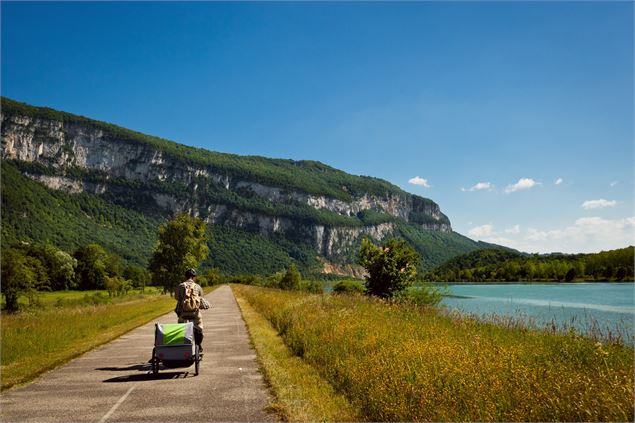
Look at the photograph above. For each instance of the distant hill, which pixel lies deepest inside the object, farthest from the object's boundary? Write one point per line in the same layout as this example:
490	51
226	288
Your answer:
495	264
71	180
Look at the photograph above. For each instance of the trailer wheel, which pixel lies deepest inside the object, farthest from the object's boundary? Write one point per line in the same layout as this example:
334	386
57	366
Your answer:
197	360
155	362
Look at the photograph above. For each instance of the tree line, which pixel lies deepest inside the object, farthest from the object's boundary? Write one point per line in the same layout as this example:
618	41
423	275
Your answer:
31	267
182	243
493	265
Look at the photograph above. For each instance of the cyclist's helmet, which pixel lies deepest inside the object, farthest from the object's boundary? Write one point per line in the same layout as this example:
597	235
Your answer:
190	273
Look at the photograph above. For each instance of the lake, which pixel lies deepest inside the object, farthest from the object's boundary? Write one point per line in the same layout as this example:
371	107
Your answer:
589	307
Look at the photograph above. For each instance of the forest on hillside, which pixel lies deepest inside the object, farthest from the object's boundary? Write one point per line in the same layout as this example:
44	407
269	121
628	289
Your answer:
493	265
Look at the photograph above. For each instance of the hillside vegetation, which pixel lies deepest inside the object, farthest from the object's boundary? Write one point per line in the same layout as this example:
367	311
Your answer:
503	265
124	216
33	213
305	175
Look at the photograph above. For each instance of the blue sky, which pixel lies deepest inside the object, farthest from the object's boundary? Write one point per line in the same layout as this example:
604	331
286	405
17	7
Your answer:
490	103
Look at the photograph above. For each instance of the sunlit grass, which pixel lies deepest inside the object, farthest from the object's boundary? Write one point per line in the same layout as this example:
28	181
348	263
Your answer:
74	298
39	339
399	362
301	395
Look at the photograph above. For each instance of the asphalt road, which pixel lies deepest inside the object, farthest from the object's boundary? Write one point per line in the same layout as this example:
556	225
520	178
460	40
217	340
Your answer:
114	382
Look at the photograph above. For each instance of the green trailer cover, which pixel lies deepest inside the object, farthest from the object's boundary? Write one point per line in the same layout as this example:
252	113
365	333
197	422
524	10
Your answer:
174	334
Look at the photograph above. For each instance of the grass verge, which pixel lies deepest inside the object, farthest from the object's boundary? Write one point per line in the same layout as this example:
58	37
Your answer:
408	363
38	340
301	394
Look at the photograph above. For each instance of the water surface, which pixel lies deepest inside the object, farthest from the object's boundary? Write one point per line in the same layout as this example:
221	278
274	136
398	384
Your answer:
607	308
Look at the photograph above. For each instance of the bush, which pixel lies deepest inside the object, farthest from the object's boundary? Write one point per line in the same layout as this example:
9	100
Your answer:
291	279
246	279
313	287
421	295
273	280
348	287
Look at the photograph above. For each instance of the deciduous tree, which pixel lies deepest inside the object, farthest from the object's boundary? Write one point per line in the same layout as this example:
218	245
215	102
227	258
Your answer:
17	277
181	245
391	267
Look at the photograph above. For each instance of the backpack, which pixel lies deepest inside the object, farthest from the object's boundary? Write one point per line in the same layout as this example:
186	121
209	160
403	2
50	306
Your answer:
191	300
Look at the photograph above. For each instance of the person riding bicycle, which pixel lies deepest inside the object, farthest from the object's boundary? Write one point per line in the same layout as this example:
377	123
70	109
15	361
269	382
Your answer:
189	303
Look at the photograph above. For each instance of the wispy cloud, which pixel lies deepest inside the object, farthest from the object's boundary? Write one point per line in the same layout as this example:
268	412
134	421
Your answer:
598	204
481	231
417	180
479	187
515	230
585	235
523	183
612	184
558	181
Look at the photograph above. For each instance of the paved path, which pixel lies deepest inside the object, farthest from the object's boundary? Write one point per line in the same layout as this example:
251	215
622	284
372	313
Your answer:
113	383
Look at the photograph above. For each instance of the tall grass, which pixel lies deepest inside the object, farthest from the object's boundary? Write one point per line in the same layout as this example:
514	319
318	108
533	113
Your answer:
39	339
400	362
301	394
42	299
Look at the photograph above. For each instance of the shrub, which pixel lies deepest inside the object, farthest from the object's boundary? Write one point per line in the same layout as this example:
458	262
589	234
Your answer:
421	295
313	287
273	280
291	279
348	287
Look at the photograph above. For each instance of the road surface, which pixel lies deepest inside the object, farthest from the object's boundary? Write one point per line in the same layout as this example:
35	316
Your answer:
114	382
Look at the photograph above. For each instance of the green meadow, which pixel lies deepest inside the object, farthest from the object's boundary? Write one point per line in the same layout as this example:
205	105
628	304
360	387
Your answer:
62	325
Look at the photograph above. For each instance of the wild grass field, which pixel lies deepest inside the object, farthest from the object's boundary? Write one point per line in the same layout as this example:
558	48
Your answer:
410	363
46	299
67	324
301	394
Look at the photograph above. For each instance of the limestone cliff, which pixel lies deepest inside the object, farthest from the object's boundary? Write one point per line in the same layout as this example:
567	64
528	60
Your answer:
75	154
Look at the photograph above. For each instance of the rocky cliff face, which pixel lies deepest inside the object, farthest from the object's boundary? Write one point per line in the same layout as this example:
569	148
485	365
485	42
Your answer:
60	147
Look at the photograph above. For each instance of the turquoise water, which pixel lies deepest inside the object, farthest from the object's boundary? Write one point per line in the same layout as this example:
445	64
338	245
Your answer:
601	308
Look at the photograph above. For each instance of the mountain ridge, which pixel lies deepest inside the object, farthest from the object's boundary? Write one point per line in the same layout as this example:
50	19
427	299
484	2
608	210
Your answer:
305	202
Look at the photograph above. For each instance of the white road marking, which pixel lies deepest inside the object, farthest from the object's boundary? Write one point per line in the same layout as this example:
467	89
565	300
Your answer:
114	407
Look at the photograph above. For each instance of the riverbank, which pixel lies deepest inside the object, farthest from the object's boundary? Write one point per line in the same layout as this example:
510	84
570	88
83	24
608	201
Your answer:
398	362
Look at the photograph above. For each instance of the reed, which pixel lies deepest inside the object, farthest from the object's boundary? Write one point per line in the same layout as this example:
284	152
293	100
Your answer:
407	363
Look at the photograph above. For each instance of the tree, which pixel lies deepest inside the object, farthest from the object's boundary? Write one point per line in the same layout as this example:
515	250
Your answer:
571	273
138	276
17	277
391	267
181	245
61	268
291	279
116	285
91	266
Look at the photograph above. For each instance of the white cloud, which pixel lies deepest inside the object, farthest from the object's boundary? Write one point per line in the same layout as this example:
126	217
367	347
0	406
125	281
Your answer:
523	183
558	181
612	184
419	181
481	186
481	231
585	235
500	241
515	230
598	204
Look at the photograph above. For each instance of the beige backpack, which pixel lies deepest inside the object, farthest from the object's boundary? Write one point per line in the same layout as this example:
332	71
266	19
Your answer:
191	300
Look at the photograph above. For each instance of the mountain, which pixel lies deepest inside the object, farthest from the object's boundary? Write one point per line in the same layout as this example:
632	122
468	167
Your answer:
71	180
